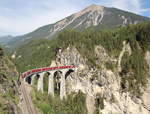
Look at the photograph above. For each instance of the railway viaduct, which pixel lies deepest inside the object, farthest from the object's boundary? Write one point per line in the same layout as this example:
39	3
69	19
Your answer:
61	71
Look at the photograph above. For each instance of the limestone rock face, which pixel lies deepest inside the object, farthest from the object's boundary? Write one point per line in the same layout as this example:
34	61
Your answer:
71	56
146	94
101	84
147	58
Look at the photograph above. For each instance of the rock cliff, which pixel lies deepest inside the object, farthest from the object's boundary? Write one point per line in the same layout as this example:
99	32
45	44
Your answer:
102	86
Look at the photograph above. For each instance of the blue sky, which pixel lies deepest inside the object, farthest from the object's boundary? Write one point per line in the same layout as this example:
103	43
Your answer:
18	17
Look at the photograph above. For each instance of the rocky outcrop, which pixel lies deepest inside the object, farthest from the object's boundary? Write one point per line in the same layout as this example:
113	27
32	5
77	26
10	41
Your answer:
8	86
101	86
126	48
146	92
95	17
147	58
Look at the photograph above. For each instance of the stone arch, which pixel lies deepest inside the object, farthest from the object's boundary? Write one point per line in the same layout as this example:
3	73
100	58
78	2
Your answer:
53	81
28	79
35	79
38	76
68	72
57	78
45	81
99	103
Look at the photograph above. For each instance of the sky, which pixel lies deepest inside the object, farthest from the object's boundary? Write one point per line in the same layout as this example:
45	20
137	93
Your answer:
18	17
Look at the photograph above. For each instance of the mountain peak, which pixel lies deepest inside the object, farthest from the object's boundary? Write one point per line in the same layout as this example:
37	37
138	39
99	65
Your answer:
90	8
93	7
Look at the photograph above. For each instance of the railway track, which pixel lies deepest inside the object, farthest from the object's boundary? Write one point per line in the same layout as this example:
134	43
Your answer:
27	100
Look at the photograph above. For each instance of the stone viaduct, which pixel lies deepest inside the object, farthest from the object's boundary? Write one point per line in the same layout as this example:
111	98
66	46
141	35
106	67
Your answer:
61	71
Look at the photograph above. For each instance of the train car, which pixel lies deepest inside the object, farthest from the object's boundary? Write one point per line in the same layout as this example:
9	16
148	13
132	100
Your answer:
30	72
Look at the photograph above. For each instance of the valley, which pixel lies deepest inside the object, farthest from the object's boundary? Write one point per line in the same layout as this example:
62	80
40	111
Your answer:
96	61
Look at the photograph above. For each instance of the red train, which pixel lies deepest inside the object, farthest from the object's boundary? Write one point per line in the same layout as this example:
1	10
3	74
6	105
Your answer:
27	73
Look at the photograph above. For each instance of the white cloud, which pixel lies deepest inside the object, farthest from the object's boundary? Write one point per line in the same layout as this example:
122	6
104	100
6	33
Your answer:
135	6
129	5
20	22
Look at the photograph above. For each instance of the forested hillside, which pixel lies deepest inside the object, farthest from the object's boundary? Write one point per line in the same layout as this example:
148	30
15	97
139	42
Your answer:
133	75
40	53
28	55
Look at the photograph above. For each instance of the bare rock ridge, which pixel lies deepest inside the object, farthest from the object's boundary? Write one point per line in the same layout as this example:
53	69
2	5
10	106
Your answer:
91	9
102	84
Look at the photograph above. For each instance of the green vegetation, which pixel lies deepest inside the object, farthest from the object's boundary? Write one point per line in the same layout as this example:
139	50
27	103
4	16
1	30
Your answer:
8	76
3	107
99	104
40	53
109	65
134	64
5	100
35	54
45	81
74	104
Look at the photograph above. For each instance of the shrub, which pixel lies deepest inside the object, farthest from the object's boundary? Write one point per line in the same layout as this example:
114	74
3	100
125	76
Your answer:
74	104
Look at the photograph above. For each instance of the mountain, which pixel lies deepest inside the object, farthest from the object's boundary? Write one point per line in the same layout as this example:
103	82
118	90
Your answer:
94	16
112	66
5	39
